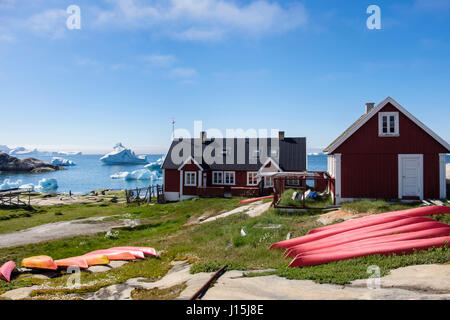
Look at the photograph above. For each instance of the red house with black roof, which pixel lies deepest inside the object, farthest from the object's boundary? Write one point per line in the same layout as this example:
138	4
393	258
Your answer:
388	154
229	166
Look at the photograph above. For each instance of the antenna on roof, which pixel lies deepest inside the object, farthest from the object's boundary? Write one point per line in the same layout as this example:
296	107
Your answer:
173	129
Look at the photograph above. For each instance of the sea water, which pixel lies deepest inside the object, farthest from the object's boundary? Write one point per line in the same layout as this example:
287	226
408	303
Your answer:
87	175
91	174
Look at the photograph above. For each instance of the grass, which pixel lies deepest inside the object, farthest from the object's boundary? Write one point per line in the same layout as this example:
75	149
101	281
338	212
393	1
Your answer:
378	206
321	202
207	246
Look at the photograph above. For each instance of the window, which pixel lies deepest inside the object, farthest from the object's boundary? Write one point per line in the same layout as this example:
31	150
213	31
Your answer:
268	182
388	124
217	177
224	177
252	178
293	182
229	177
190	178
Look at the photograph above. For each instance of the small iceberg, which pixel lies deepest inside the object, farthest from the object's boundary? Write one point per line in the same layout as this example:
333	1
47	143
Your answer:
142	174
8	184
157	165
47	185
27	187
122	155
58	161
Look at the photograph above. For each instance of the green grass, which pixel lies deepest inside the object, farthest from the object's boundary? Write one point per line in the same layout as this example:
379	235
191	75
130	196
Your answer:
286	200
208	246
378	206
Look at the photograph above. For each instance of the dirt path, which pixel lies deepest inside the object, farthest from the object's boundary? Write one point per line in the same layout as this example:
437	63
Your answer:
58	230
252	210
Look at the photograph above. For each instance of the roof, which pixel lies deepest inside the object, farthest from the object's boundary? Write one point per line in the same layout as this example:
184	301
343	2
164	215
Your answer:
289	155
367	116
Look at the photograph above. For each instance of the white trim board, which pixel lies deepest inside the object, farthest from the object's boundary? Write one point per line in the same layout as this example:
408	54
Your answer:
442	176
401	157
374	111
187	161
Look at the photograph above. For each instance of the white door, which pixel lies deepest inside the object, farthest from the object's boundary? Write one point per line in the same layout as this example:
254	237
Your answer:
410	175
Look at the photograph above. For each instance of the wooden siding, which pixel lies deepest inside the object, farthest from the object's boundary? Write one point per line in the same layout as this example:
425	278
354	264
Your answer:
171	180
369	163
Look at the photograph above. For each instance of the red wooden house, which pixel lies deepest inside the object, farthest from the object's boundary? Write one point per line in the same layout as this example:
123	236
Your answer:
241	166
388	154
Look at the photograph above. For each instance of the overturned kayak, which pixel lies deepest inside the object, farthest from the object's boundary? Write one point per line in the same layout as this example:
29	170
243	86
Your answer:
79	262
148	251
385	217
39	262
417	235
113	255
96	259
355	235
254	199
396	247
6	269
135	253
327	233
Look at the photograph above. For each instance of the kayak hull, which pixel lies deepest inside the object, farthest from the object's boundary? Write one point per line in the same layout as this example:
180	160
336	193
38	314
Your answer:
39	262
6	269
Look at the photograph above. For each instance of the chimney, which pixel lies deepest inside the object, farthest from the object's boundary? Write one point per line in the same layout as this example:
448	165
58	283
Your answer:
369	106
281	135
203	136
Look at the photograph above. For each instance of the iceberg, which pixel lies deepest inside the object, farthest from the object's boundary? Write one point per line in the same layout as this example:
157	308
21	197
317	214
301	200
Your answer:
8	184
122	155
157	165
47	185
141	174
58	161
28	186
4	148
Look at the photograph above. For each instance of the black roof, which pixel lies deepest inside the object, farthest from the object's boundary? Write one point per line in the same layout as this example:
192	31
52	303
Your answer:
290	154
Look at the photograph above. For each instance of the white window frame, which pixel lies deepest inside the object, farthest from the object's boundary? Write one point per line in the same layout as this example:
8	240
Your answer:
266	184
187	181
215	182
396	132
233	174
252	173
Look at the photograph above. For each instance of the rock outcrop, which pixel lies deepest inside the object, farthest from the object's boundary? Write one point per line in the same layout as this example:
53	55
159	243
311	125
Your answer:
10	163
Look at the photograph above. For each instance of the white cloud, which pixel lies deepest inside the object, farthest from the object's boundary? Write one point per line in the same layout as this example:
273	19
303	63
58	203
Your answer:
160	60
51	22
204	19
183	73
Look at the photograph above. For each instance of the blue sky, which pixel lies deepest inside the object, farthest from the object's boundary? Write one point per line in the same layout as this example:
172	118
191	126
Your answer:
306	67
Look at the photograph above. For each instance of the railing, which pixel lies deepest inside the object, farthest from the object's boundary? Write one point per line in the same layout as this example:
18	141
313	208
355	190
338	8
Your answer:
150	194
12	197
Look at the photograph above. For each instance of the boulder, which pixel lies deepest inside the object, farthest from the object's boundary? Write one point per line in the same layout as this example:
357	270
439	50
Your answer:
10	163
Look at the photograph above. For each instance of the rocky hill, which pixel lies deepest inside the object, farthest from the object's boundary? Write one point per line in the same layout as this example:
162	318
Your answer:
10	163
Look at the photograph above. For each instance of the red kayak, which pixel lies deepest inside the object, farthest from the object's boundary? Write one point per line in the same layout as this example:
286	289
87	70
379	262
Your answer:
371	226
148	251
355	235
416	212
396	247
6	270
254	199
416	235
79	262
